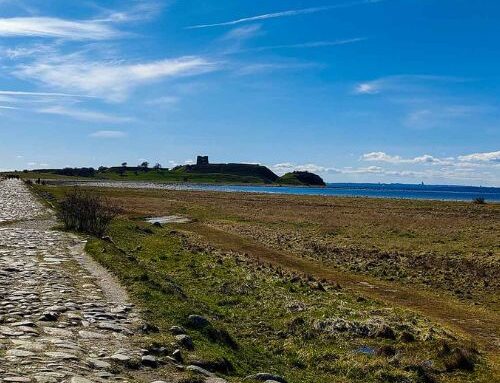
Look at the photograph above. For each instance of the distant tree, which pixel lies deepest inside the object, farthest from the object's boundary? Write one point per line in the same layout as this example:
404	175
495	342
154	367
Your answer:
157	166
144	166
122	170
76	172
102	169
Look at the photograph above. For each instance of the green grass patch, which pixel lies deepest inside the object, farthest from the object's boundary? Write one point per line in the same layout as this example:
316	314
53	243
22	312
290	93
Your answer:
271	316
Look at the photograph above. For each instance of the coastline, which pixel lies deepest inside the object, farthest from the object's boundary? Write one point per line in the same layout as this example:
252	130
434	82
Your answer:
448	193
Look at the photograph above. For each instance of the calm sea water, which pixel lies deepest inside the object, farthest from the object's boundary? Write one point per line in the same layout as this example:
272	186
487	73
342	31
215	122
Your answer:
426	192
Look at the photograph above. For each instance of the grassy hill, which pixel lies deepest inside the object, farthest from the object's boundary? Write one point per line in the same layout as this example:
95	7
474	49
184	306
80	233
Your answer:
231	173
301	179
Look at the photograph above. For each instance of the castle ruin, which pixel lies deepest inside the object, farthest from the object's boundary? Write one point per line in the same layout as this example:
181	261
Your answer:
202	160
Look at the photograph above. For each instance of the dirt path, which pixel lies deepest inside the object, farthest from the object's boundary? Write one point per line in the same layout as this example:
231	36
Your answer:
479	325
62	317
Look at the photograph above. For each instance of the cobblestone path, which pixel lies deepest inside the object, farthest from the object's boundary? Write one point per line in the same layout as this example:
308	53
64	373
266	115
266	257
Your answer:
56	323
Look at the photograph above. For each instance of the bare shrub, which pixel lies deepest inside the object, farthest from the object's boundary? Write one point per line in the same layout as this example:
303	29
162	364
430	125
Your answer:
461	359
479	201
86	212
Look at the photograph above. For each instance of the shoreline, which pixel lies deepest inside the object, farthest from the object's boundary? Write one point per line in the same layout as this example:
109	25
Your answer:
343	190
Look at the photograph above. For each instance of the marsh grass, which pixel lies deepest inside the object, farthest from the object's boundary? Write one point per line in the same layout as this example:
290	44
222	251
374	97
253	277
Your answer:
267	312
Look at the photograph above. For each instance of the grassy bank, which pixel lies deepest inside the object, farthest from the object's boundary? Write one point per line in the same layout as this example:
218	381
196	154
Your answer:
449	246
268	318
150	176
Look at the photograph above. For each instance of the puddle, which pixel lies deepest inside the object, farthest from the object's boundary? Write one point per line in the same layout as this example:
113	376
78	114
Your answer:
169	219
366	350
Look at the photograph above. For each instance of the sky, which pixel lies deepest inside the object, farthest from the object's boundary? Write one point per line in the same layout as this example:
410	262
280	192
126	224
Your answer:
354	90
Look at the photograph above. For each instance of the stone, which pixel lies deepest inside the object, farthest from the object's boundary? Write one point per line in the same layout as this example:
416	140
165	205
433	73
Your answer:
80	379
49	317
19	353
200	371
185	341
60	355
177	355
149	361
198	321
122	358
91	335
99	364
177	330
59	332
264	376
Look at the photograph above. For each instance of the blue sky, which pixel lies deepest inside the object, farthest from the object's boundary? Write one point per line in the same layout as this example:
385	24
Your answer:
361	91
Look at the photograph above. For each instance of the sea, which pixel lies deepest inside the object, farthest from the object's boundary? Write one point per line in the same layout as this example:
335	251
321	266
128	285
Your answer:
398	191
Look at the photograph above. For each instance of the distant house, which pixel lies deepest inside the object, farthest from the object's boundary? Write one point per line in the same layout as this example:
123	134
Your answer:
202	160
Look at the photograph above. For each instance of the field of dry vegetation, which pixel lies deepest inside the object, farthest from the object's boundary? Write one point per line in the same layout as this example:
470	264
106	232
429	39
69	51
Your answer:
439	261
450	246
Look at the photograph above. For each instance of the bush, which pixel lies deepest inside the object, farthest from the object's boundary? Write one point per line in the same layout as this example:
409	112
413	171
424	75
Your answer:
461	359
479	200
86	212
76	172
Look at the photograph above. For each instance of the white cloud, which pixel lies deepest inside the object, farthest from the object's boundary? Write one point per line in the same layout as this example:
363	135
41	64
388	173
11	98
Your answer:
384	157
243	33
56	28
26	51
472	168
288	13
138	11
251	69
108	134
366	88
481	157
84	115
109	80
37	94
403	83
165	100
286	167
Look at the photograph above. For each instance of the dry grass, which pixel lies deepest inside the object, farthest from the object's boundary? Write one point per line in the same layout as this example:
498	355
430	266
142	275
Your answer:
438	258
449	246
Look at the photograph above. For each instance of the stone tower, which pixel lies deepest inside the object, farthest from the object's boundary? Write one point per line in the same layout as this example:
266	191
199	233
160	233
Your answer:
202	160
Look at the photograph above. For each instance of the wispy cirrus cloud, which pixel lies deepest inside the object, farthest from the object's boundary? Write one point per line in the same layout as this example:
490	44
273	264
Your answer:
263	67
108	134
137	10
286	13
108	79
51	27
311	44
84	115
403	83
40	94
243	33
